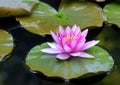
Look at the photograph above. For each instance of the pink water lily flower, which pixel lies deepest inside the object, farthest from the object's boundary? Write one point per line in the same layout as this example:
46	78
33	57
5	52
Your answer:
70	42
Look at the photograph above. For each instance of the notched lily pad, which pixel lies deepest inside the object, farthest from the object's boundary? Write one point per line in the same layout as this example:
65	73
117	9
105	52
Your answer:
6	43
113	13
72	68
16	7
45	18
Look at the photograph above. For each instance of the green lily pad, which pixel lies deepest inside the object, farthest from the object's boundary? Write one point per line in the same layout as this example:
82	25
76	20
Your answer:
74	67
113	13
6	43
16	7
45	18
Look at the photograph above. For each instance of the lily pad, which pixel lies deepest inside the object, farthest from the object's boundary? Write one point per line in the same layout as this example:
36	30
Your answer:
68	69
6	43
45	18
113	13
16	7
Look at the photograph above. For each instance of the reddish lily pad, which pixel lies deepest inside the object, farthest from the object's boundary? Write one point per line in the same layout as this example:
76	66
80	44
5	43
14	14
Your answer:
16	7
68	69
113	13
45	18
6	43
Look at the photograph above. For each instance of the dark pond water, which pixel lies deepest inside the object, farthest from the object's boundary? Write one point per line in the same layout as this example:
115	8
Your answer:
14	72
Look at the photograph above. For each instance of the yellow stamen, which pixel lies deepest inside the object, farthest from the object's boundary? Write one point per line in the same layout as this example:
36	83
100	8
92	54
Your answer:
68	38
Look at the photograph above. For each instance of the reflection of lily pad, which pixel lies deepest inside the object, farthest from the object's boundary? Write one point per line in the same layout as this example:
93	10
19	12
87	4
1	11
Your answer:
6	43
72	68
45	18
113	13
16	7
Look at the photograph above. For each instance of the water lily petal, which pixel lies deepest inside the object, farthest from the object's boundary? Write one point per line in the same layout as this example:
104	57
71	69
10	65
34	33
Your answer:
67	49
76	29
60	48
68	30
73	43
79	44
89	44
84	33
50	51
52	45
63	56
82	54
61	31
56	39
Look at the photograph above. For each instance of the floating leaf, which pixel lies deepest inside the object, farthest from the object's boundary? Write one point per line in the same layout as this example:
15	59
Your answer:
6	43
45	18
113	13
72	68
16	7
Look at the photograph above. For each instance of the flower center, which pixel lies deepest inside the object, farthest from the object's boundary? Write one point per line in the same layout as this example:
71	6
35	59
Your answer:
70	38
